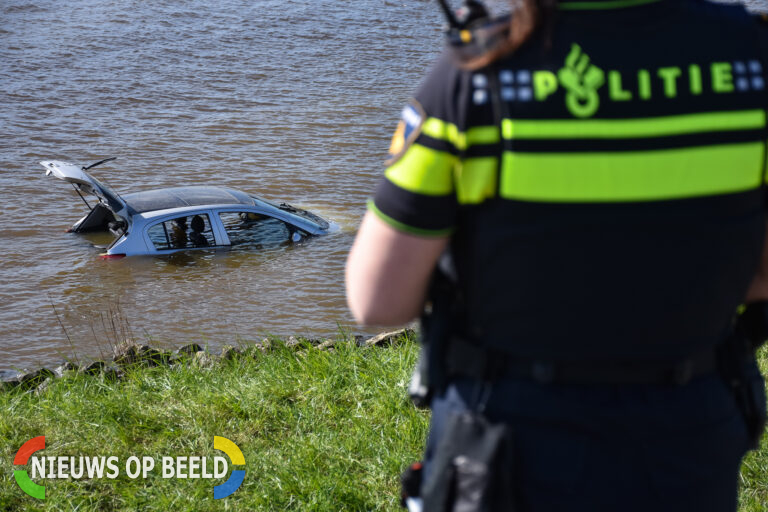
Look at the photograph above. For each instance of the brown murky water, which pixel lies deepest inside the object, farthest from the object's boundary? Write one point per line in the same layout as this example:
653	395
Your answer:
294	100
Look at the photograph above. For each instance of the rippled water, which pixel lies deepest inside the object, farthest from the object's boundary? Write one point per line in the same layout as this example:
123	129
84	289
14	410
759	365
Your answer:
294	100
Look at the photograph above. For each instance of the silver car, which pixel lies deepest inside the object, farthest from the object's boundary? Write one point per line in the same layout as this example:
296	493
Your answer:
169	220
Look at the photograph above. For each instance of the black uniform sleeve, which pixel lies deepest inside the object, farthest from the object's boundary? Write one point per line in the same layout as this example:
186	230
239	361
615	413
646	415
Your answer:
417	193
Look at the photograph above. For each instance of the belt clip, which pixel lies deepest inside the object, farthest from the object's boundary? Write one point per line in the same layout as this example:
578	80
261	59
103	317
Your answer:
492	369
682	373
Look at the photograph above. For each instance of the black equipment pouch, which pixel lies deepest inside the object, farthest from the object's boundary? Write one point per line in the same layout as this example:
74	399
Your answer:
755	385
472	467
438	322
738	368
419	390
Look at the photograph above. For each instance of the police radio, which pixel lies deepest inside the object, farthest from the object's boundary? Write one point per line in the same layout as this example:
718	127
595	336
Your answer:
472	31
471	11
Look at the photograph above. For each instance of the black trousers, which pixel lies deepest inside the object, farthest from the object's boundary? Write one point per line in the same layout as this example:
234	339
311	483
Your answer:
612	448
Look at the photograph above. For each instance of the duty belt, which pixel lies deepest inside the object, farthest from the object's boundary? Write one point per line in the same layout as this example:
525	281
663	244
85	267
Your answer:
464	359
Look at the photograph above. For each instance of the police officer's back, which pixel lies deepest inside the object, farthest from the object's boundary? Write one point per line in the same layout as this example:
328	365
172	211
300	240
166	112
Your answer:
599	194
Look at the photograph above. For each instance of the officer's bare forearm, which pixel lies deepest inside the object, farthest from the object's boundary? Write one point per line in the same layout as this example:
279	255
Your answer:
388	272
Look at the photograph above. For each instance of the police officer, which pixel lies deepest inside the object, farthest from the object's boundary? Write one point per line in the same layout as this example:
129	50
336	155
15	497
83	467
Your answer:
590	177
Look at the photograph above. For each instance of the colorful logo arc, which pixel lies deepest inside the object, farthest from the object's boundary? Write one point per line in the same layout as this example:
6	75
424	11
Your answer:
21	476
219	491
238	475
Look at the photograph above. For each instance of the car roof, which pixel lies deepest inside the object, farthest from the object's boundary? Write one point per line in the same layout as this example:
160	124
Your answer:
179	197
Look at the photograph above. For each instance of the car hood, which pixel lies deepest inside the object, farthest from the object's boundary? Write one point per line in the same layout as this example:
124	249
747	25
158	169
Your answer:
87	184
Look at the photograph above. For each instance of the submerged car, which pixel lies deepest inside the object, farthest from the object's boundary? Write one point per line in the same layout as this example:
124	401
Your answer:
169	220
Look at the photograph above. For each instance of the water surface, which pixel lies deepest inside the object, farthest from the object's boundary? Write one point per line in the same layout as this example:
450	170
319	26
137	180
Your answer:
294	100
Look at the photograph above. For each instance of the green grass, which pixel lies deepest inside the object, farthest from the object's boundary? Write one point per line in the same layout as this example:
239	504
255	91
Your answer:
754	470
319	430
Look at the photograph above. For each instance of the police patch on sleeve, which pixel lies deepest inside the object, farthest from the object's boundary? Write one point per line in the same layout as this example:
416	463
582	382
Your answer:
408	129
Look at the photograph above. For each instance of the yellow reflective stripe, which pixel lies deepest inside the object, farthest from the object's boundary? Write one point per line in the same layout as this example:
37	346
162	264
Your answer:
423	171
439	129
476	180
482	135
449	132
632	176
633	128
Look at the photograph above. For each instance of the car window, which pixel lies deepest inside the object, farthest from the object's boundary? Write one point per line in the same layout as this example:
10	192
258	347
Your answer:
246	229
182	232
322	223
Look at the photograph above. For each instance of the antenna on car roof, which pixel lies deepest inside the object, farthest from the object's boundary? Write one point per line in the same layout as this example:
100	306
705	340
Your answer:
100	162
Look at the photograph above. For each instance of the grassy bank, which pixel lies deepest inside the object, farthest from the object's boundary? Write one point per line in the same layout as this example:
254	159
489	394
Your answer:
319	429
753	495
